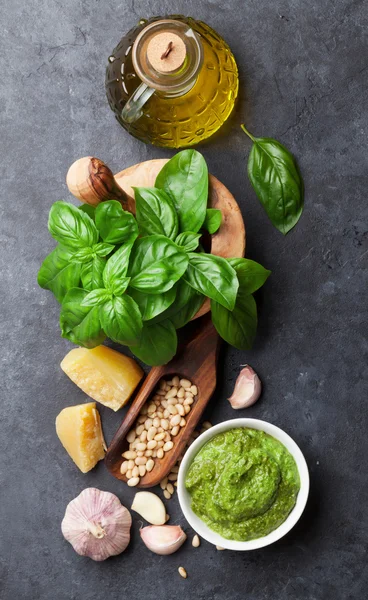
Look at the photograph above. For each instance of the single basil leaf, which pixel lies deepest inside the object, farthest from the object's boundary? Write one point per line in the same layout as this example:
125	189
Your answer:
213	220
158	343
156	264
90	210
187	304
58	274
83	255
251	275
185	178
116	226
121	320
214	277
188	240
155	212
238	327
103	249
71	227
119	286
96	297
152	305
80	324
91	273
117	265
276	179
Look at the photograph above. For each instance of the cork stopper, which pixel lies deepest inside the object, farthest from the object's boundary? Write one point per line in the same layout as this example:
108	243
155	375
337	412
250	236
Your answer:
166	52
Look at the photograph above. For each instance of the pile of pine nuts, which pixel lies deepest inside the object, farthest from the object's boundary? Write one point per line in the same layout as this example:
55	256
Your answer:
168	482
159	420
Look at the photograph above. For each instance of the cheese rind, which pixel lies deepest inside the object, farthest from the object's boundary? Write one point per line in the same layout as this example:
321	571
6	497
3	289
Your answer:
80	432
104	374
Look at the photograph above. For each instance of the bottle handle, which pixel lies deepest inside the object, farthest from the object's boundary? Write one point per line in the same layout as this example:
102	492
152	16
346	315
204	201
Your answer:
133	108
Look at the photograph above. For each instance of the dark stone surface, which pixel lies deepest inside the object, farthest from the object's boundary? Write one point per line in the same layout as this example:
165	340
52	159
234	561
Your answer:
304	80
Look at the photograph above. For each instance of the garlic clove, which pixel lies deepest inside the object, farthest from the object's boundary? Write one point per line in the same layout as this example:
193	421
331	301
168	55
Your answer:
96	524
163	539
150	507
247	389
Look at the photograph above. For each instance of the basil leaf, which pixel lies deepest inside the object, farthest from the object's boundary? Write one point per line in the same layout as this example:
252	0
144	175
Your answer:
80	324
251	275
276	179
188	240
96	297
187	304
121	320
238	327
71	227
213	220
156	264
158	343
117	266
116	226
155	212
214	277
83	255
103	249
185	178
90	210
58	274
119	286
151	305
91	273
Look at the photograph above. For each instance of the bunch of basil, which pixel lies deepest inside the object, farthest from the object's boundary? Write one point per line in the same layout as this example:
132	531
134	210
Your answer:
139	279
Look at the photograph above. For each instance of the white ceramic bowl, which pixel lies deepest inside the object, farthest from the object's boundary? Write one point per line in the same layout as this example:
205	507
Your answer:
215	538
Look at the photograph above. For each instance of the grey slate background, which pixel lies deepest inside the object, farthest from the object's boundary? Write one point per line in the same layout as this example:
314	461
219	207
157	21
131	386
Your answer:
304	80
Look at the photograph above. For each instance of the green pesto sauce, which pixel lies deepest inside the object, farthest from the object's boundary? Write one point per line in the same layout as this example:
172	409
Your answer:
243	484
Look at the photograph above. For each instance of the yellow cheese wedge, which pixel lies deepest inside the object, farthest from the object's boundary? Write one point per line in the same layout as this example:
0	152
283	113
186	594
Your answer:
104	374
79	430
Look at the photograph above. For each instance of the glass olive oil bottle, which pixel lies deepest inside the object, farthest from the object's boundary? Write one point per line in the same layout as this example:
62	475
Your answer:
172	81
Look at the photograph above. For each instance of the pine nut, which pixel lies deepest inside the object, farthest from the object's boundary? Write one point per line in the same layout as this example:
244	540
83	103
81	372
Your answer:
131	436
181	393
163	483
196	542
149	465
175	420
124	467
164	424
143	435
206	425
135	471
183	422
157	403
159	436
171	401
188	394
139	429
188	401
141	460
151	408
170	488
175	430
185	383
168	446
175	381
159	414
166	413
142	446
164	403
160	453
129	454
167	437
141	419
130	464
159	430
148	424
142	470
172	410
161	392
219	548
154	453
194	390
175	469
182	572
160	444
128	474
151	433
186	410
180	409
171	393
140	453
151	445
167	494
132	482
148	453
172	476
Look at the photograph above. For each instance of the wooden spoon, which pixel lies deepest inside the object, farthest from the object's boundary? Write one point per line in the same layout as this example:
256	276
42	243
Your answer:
196	361
91	181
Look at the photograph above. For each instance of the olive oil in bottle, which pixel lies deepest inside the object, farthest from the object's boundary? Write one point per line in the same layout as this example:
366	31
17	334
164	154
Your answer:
172	81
